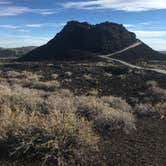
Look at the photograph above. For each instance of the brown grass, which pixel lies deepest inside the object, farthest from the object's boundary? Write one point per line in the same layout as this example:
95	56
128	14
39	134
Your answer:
54	126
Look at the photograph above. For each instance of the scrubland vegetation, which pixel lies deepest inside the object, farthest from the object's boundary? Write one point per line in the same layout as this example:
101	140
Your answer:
53	125
43	122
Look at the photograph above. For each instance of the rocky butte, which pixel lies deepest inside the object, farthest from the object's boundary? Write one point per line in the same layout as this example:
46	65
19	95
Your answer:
82	41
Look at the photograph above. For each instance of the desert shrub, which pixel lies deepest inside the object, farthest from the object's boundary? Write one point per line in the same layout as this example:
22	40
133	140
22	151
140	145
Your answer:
88	77
155	92
47	86
38	85
88	107
158	93
24	75
58	127
54	76
104	113
161	109
4	89
93	92
56	137
111	120
12	74
31	76
60	137
18	98
144	110
117	103
152	83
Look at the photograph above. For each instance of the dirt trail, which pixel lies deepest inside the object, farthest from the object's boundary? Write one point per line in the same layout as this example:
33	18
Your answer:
108	58
127	48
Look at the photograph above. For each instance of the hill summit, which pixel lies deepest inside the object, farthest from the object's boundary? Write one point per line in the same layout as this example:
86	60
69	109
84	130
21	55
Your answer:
82	40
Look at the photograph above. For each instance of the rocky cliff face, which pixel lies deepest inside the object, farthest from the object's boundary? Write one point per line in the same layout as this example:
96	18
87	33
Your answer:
82	40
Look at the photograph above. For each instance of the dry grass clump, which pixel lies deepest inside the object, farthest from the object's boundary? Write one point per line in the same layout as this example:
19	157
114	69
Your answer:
88	77
31	80
18	98
54	76
93	92
58	127
161	109
158	93
105	114
144	110
4	89
90	107
154	91
31	76
111	120
47	86
39	85
152	83
36	125
12	74
23	75
58	137
117	103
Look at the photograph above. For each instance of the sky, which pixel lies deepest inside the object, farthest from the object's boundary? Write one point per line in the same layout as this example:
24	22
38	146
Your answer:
35	22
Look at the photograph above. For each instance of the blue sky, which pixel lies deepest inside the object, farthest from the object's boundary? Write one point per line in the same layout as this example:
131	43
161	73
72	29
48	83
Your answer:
34	22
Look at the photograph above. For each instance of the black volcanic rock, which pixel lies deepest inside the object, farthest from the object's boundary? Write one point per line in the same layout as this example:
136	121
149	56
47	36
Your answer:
83	41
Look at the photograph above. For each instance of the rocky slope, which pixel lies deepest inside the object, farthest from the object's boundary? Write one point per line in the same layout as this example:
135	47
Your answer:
84	41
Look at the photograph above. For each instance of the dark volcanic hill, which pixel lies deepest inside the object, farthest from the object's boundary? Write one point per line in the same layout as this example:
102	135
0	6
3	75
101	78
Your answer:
84	41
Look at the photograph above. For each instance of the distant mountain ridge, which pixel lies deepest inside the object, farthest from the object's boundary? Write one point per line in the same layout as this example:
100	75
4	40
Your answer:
15	52
85	41
163	52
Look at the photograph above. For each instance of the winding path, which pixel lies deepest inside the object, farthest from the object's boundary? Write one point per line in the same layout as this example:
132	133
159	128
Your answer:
108	58
127	48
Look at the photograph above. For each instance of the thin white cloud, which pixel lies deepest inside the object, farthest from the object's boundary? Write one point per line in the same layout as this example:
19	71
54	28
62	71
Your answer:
147	32
34	25
23	30
37	25
156	43
125	5
143	25
4	2
21	40
155	39
44	25
6	26
48	12
150	34
13	11
129	25
18	10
